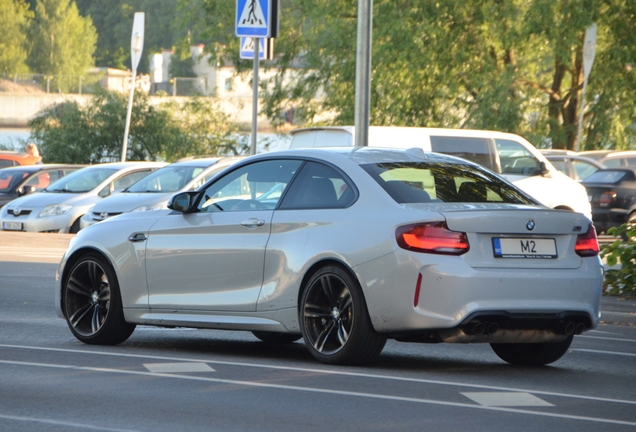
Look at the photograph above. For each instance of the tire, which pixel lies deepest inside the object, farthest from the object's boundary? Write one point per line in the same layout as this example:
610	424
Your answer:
334	319
92	302
276	338
74	229
536	354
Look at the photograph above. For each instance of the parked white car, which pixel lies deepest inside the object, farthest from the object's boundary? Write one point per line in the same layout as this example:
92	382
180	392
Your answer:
59	207
152	192
506	154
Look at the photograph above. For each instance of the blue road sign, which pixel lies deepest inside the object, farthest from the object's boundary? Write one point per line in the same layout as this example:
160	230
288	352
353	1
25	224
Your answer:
247	48
253	18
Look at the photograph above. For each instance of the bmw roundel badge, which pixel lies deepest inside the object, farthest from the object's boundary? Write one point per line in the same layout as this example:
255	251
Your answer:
530	225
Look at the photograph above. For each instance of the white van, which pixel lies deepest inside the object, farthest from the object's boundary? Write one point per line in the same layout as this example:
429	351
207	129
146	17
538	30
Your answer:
506	154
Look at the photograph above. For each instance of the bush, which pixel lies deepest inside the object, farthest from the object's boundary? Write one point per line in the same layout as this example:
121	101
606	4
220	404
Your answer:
621	281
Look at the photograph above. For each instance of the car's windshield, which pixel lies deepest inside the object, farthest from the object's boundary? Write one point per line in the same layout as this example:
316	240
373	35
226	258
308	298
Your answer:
424	182
81	181
167	179
9	179
605	177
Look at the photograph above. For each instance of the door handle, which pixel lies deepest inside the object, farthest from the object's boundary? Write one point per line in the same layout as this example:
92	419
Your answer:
254	222
137	237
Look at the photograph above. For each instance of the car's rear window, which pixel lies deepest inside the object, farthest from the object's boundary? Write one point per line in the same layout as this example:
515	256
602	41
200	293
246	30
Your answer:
423	182
82	181
604	176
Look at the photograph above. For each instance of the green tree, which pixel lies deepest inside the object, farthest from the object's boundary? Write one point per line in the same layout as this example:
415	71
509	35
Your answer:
113	20
14	21
72	133
63	42
181	62
510	65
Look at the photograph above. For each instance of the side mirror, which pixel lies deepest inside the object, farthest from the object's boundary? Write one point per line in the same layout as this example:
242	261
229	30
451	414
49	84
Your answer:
25	190
181	202
543	169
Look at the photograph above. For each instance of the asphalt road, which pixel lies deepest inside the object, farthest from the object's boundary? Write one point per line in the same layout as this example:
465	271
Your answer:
195	380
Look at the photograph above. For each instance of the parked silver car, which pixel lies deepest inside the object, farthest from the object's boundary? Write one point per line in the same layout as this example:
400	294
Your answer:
59	207
153	191
344	247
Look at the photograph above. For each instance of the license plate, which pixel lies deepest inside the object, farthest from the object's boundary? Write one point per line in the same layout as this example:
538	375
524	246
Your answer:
12	226
543	248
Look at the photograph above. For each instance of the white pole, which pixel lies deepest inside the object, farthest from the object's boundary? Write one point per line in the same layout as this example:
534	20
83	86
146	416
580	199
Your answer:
255	96
128	115
136	46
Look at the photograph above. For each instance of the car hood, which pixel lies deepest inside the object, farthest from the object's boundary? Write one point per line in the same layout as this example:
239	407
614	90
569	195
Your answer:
125	202
43	199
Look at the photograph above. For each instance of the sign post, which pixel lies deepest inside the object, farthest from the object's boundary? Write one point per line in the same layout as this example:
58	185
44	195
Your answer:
589	51
256	19
136	48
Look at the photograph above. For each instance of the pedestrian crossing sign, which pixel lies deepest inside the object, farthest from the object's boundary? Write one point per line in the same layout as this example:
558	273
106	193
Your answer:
254	18
265	48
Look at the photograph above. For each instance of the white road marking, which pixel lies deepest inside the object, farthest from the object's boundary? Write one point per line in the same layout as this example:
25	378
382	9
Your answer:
81	426
178	367
604	352
326	391
506	399
607	338
329	372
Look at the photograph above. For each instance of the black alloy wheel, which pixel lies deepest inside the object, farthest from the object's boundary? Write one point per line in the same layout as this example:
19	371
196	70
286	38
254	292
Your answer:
92	302
334	319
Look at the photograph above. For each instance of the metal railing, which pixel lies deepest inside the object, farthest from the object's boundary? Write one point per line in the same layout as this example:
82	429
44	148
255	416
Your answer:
85	84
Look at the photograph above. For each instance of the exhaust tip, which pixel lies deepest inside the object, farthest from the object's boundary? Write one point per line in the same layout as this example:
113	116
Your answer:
476	328
492	328
580	328
567	328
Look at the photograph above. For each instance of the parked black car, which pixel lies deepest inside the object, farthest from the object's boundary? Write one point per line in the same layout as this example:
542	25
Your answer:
612	195
21	180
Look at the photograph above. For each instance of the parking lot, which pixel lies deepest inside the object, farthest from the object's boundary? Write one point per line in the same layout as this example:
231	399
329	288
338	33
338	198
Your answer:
182	379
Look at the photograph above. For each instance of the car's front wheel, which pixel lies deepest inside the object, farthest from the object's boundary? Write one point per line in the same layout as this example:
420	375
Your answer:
534	354
92	302
334	319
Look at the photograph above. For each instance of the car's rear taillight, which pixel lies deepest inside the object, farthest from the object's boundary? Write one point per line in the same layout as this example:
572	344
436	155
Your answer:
606	198
587	244
434	237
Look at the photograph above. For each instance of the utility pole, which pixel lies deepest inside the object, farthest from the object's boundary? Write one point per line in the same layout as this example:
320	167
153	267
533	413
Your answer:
363	72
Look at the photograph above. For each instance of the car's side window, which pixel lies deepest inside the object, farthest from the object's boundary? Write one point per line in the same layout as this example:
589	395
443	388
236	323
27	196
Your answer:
40	181
583	169
516	159
319	186
257	186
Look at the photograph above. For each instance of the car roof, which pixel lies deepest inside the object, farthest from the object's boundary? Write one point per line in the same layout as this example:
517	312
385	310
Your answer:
21	158
367	155
619	154
591	161
430	131
39	167
196	162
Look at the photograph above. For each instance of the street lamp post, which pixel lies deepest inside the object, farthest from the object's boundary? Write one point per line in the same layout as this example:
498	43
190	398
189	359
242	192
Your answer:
136	47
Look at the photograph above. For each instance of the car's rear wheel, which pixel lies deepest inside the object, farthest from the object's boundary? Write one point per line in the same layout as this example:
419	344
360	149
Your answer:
276	338
92	302
534	354
334	319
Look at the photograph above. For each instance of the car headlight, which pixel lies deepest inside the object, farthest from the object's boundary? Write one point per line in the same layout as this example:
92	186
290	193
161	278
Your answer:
149	207
55	210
